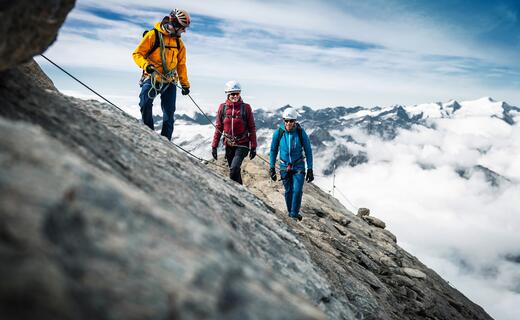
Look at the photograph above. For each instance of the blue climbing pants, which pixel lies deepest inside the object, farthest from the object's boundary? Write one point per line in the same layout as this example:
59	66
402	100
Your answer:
293	184
168	97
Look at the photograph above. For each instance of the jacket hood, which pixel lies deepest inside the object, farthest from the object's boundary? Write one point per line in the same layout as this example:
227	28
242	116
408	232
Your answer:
159	28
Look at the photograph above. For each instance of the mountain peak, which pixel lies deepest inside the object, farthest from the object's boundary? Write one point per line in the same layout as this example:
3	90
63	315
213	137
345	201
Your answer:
486	99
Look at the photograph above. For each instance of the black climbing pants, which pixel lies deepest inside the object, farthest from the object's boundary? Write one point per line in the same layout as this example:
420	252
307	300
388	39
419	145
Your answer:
234	157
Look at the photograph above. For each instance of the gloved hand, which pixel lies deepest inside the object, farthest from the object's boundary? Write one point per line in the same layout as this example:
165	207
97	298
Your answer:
185	91
272	173
150	69
214	153
252	153
310	175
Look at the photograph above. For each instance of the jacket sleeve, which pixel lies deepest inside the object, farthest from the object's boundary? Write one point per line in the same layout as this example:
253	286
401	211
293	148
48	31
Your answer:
182	70
251	126
219	128
307	148
273	154
142	49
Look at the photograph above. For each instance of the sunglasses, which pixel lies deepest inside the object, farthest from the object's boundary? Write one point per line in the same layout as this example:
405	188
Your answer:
234	94
174	26
289	120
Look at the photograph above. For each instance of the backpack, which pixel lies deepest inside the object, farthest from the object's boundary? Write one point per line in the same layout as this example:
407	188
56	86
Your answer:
157	42
299	130
155	46
243	114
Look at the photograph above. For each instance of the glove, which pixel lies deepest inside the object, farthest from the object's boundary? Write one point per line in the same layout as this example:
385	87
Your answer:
185	91
272	173
214	153
310	176
252	153
150	69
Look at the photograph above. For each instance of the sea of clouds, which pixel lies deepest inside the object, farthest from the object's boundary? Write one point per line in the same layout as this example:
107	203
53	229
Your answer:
465	228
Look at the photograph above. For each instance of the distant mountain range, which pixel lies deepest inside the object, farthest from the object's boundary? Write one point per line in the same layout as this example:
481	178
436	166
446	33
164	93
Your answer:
339	134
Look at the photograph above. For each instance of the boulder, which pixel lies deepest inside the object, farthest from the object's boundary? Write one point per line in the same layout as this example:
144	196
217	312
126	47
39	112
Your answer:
29	27
375	222
362	212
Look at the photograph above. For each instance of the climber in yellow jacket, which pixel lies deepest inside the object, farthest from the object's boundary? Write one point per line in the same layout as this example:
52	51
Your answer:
162	56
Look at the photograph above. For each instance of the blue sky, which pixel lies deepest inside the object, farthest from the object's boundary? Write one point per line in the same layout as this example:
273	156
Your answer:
315	53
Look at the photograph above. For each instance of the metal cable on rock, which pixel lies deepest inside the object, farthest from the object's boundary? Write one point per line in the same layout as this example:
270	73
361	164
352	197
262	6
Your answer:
114	105
92	90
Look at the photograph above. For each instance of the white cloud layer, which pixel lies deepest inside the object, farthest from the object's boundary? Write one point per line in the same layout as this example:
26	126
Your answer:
462	228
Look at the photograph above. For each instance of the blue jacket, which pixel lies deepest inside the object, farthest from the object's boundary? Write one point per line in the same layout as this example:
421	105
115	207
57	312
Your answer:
290	149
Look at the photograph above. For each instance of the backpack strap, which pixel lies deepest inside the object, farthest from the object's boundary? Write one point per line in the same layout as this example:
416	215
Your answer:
280	135
299	130
222	114
156	43
243	113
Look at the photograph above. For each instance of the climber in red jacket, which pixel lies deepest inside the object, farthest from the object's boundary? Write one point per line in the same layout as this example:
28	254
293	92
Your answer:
236	123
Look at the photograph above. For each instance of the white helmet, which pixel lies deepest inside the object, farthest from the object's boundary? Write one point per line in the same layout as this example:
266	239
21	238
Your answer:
181	16
290	114
232	86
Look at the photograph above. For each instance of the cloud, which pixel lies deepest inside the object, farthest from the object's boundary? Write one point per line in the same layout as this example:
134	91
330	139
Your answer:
340	55
464	228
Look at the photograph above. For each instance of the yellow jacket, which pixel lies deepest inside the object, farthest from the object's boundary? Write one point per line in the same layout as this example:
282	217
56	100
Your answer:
176	57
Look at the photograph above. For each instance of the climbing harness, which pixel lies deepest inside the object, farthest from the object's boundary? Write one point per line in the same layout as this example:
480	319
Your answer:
166	78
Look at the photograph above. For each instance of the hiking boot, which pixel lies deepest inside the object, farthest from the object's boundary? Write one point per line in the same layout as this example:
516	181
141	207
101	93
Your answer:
297	217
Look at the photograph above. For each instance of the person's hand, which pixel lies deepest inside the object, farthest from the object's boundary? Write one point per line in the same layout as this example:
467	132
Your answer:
272	173
185	91
214	153
252	153
310	175
150	69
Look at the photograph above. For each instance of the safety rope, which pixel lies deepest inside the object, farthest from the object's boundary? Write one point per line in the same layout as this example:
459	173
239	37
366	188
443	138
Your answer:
213	124
73	77
176	145
124	112
158	85
220	131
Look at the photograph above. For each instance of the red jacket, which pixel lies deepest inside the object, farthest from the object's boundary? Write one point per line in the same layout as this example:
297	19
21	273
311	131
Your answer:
234	126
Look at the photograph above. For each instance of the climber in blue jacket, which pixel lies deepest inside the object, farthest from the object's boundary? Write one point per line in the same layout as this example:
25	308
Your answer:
291	140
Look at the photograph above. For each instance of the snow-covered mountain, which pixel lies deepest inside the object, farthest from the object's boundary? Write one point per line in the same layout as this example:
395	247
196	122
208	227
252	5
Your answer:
339	134
445	176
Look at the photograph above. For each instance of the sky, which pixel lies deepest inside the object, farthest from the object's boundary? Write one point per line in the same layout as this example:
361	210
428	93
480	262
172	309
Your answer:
314	53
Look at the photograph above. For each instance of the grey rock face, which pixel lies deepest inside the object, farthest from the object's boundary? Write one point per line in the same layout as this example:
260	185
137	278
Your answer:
104	219
364	266
318	136
493	178
343	156
29	27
